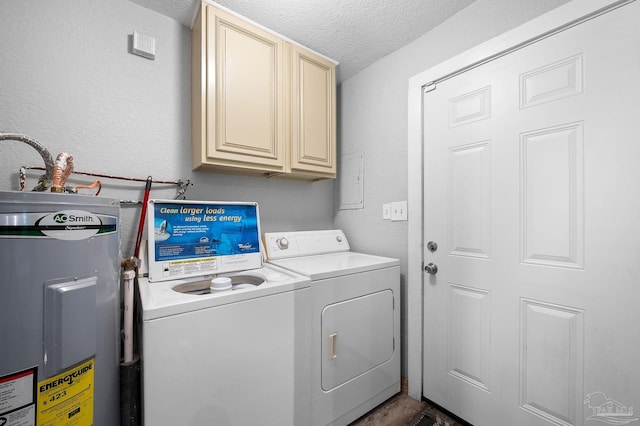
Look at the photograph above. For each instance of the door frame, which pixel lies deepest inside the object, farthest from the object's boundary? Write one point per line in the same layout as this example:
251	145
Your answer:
565	16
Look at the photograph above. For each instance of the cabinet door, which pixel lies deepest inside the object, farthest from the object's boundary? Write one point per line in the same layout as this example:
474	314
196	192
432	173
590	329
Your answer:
244	95
313	114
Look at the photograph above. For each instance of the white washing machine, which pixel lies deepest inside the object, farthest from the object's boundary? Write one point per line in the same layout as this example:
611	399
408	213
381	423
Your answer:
220	356
355	309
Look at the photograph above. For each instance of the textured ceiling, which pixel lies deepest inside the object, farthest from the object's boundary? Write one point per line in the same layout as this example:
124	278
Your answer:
355	33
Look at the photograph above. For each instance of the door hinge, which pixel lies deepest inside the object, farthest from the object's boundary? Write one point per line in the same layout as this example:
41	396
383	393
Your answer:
429	87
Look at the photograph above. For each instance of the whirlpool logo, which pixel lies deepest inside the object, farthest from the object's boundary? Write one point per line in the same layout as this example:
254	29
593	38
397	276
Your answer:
245	246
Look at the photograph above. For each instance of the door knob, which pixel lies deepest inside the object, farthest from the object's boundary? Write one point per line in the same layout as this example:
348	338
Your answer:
431	268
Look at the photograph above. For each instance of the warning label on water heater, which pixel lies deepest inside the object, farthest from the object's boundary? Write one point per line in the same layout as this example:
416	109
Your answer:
67	399
18	398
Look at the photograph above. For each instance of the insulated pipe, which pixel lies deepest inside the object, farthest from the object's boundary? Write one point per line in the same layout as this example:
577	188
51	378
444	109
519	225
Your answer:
45	180
62	168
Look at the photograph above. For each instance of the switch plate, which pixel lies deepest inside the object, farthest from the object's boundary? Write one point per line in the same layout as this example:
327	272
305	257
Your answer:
386	211
398	211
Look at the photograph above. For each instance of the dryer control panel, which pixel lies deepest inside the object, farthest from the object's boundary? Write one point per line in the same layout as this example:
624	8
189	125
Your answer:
280	245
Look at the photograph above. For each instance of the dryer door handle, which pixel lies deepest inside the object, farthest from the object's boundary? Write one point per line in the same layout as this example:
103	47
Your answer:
333	346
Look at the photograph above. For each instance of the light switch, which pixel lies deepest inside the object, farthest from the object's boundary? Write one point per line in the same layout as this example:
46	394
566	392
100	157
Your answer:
398	211
386	211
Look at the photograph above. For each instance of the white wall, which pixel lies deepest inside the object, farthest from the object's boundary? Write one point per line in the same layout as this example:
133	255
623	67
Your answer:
373	119
67	79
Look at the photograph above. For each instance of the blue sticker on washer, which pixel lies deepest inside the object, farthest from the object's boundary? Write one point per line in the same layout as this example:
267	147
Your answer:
191	231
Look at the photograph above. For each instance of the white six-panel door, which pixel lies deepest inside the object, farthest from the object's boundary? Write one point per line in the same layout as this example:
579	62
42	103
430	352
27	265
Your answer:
532	195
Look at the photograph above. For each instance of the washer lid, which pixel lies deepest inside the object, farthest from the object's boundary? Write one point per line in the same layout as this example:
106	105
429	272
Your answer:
163	299
331	265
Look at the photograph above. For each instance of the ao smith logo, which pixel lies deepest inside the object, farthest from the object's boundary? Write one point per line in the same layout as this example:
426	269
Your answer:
70	225
71	218
68	379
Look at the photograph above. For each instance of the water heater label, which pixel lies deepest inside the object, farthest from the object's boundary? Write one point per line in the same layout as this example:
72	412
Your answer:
18	398
67	399
67	225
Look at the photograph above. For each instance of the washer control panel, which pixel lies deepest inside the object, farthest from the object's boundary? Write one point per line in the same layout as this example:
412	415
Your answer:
280	245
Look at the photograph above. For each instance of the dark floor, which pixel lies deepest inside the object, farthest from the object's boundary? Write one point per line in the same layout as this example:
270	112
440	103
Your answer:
402	410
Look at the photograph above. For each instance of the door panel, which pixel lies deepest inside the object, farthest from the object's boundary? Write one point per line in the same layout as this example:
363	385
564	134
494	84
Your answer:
530	192
551	351
470	197
552	178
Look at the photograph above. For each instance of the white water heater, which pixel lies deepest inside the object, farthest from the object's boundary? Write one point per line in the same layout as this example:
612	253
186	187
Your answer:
59	310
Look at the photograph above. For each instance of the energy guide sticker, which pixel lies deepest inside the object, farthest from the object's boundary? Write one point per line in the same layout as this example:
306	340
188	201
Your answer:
18	398
67	399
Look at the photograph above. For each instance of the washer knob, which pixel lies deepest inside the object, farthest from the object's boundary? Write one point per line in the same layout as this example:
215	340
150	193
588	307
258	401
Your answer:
339	238
283	243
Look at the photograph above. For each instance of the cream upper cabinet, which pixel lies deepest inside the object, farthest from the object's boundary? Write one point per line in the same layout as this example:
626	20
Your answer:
238	110
313	114
261	105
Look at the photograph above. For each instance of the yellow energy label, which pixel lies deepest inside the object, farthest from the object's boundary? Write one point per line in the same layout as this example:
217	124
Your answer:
67	399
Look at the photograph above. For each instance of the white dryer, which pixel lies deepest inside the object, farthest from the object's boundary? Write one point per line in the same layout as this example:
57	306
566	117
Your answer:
355	309
220	356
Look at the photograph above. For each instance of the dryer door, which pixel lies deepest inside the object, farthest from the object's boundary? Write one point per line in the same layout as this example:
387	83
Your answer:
357	336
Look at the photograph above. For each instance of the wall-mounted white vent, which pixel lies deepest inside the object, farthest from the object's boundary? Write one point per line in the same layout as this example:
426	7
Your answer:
143	45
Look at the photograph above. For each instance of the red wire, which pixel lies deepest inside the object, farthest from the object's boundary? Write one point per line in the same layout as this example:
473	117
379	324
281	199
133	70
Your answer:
102	175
